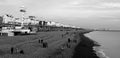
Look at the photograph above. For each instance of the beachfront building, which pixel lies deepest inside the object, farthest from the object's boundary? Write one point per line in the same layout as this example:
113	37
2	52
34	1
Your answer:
51	23
59	25
9	19
32	20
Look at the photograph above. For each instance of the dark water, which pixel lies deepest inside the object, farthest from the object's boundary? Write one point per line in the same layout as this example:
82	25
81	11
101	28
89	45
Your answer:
110	42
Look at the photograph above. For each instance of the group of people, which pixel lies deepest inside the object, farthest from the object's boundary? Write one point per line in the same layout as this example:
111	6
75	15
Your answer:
14	50
44	44
69	40
68	44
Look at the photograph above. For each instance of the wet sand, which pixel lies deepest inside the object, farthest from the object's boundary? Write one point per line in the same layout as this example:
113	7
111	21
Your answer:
58	45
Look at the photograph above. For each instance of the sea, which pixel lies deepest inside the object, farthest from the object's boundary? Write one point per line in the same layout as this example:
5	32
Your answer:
109	41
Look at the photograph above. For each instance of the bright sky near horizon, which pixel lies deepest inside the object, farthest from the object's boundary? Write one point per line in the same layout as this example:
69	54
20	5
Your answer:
83	13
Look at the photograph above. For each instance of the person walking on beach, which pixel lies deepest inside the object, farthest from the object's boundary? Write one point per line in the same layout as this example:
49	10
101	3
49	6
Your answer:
40	41
45	44
62	35
21	52
69	40
12	50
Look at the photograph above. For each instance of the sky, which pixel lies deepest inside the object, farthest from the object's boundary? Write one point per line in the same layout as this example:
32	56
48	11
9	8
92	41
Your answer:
82	13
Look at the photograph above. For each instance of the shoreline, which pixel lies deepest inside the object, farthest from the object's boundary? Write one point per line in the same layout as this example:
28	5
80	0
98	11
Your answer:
84	49
99	50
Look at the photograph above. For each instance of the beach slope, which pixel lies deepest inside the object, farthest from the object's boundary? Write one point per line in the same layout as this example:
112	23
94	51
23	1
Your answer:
56	44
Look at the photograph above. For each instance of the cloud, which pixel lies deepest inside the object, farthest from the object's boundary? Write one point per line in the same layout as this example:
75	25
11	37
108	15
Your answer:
14	2
71	11
75	8
110	5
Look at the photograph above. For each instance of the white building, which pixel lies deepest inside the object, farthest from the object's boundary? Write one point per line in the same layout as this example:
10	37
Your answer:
10	19
7	18
58	24
51	23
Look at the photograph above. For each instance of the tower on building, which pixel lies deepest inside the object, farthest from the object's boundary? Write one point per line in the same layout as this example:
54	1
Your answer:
23	11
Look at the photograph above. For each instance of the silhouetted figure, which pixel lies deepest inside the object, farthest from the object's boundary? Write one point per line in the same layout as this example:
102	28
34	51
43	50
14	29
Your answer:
45	44
40	41
62	35
30	28
69	40
12	50
21	52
